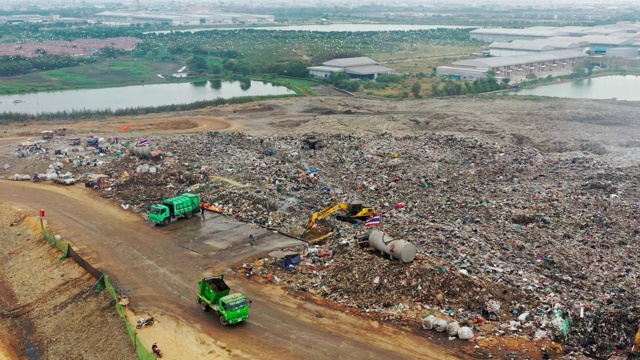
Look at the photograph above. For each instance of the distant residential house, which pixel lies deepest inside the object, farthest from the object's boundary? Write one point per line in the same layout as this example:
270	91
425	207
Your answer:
356	68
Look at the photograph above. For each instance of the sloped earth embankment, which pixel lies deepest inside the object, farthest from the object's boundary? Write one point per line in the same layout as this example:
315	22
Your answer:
49	309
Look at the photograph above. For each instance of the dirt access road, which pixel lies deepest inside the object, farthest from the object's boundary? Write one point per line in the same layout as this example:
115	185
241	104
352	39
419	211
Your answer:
158	268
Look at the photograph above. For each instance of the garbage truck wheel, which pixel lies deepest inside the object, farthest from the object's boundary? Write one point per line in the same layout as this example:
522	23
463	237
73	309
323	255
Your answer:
166	221
204	305
189	215
223	321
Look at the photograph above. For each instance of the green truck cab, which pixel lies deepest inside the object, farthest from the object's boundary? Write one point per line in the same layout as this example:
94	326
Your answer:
185	205
214	294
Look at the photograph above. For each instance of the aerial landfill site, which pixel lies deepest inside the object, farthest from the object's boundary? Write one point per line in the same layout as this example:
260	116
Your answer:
509	241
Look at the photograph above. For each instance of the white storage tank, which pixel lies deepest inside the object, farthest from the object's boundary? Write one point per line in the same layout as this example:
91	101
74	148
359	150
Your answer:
142	151
399	249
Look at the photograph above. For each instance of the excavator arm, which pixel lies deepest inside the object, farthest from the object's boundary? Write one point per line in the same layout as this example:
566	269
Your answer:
323	214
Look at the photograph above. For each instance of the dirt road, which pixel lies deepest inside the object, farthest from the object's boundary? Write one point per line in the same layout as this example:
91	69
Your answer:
158	268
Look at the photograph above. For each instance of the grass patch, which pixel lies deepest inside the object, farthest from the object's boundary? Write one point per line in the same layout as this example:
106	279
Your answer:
300	86
111	73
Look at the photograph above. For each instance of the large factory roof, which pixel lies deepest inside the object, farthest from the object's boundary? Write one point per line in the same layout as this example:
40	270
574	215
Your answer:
556	42
354	61
548	31
537	31
606	40
368	69
493	62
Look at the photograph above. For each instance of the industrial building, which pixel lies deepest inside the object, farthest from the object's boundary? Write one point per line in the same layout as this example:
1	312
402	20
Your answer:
356	68
545	32
515	68
139	17
527	47
624	53
531	33
601	43
597	40
34	18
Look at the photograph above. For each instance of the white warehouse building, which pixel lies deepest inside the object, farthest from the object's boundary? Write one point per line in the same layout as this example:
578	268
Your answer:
527	47
515	68
356	68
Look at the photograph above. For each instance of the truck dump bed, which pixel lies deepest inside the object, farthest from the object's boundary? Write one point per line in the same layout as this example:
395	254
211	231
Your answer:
213	288
217	284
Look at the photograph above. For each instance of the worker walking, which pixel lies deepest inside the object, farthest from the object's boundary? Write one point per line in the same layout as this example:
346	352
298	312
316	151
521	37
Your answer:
202	211
251	240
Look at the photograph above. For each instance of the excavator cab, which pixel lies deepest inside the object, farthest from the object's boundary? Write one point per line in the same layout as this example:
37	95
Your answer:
355	209
361	211
353	213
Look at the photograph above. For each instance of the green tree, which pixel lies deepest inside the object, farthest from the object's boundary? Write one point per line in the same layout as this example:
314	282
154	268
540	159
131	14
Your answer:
590	68
415	89
579	70
297	69
230	65
216	69
470	88
435	87
389	78
197	64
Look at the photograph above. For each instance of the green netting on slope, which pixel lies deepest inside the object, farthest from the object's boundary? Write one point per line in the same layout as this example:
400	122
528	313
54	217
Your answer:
103	282
143	354
62	246
141	351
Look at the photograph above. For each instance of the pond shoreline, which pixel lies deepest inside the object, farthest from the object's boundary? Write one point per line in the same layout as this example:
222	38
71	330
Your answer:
592	91
137	96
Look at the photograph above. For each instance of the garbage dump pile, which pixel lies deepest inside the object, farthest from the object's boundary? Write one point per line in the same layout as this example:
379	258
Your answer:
509	241
51	158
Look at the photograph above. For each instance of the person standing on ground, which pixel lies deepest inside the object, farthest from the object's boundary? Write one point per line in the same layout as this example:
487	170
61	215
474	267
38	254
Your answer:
252	240
202	211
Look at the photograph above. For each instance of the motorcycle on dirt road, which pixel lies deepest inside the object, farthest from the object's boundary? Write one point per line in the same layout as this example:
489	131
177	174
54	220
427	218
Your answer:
145	322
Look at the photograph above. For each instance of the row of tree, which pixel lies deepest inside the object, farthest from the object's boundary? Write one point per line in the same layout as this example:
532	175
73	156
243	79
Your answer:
452	88
17	65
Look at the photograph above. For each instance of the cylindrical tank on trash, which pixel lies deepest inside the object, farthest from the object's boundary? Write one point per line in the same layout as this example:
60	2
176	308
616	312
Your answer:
399	249
142	151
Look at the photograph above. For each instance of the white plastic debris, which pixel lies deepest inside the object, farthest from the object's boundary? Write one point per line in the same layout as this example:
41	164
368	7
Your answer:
452	328
465	333
440	325
428	321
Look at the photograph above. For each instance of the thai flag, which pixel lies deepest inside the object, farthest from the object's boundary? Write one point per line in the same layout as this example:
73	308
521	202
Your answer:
373	221
143	142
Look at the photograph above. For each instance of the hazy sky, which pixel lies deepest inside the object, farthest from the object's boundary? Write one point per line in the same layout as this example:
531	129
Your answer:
327	2
445	4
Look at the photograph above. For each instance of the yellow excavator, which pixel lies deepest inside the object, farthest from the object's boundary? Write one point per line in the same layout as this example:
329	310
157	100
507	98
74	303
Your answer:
354	212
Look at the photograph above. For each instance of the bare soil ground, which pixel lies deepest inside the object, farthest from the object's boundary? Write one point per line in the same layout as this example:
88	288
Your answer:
51	306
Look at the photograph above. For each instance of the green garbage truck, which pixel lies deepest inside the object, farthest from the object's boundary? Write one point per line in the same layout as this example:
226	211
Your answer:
214	294
185	205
